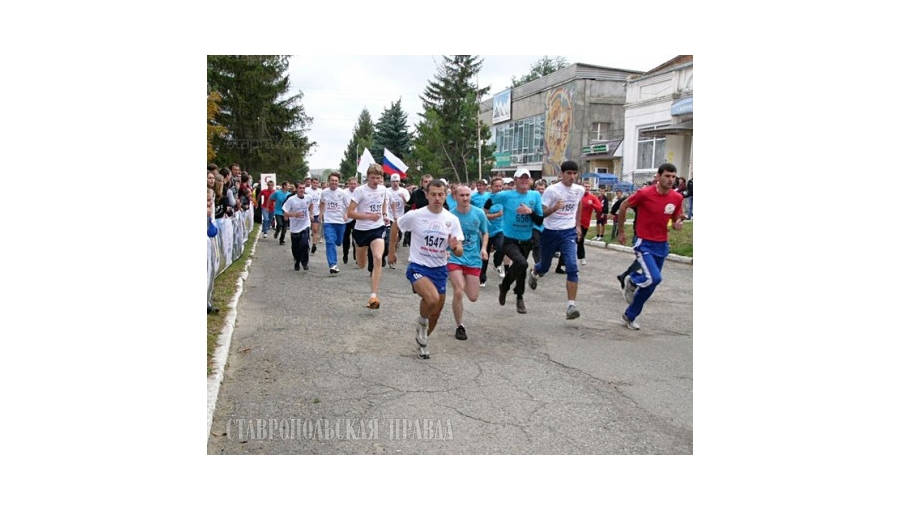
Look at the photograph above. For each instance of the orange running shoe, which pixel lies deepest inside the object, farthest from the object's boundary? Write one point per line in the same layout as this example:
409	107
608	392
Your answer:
373	303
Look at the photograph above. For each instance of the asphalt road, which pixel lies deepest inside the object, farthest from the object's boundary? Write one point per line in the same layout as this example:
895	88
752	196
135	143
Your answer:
312	371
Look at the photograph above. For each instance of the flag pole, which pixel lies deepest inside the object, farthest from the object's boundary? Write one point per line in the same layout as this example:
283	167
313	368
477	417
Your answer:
478	123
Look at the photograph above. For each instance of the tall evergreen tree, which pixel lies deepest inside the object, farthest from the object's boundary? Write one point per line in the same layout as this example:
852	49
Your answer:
266	128
447	140
213	129
541	67
392	133
363	135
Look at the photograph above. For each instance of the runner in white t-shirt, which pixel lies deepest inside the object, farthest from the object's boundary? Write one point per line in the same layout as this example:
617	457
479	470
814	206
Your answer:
562	211
397	198
434	230
315	195
333	205
368	206
299	209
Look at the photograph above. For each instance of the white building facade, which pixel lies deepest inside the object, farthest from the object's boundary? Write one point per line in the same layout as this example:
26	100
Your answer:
659	121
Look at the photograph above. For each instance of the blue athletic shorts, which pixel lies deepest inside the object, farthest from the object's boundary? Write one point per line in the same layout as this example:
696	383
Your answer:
437	275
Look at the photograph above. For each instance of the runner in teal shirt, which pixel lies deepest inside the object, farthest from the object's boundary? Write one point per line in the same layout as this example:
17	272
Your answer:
464	271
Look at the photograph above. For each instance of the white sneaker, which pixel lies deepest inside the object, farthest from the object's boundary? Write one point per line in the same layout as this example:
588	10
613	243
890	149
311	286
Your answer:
422	338
482	284
583	261
630	324
628	290
265	236
572	312
501	271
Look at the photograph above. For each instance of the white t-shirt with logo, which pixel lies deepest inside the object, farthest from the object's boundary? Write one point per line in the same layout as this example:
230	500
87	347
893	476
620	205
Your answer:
295	204
397	202
336	203
370	200
314	195
563	218
430	235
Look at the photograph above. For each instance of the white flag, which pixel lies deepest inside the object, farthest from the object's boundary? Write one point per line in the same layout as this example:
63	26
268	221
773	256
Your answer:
364	163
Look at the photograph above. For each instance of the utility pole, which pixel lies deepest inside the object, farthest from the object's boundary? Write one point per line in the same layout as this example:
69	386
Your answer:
478	124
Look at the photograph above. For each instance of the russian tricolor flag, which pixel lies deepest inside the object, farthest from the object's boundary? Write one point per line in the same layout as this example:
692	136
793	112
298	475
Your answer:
393	165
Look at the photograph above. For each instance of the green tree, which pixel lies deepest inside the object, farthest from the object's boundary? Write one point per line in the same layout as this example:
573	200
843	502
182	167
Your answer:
363	135
391	132
213	129
542	67
291	164
266	126
446	144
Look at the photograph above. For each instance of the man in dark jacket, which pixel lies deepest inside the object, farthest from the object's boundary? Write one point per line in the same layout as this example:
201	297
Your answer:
418	199
614	211
689	198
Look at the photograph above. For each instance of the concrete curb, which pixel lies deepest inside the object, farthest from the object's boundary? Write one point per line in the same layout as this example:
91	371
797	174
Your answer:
220	356
627	249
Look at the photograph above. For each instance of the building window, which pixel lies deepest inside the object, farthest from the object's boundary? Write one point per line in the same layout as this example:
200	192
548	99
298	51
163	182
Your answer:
523	139
651	151
600	131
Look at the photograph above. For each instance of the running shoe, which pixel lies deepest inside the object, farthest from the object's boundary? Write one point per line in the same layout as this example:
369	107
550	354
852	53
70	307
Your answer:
628	290
373	304
461	332
520	305
630	323
572	312
532	280
422	338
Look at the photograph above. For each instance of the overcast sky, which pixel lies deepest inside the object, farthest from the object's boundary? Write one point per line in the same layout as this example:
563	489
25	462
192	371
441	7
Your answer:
337	88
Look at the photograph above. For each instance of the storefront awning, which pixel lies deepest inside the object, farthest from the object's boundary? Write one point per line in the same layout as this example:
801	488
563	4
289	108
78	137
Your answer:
612	147
682	128
683	106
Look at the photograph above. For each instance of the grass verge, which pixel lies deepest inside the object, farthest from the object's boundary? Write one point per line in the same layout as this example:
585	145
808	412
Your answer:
224	290
681	242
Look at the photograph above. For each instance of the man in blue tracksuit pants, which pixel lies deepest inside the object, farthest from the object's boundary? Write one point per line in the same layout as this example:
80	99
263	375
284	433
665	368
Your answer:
657	205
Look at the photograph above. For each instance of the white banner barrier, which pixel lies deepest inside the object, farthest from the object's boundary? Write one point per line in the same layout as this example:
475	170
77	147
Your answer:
227	246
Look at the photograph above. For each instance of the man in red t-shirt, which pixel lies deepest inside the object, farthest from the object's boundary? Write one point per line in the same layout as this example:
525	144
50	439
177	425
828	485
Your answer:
268	207
656	205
